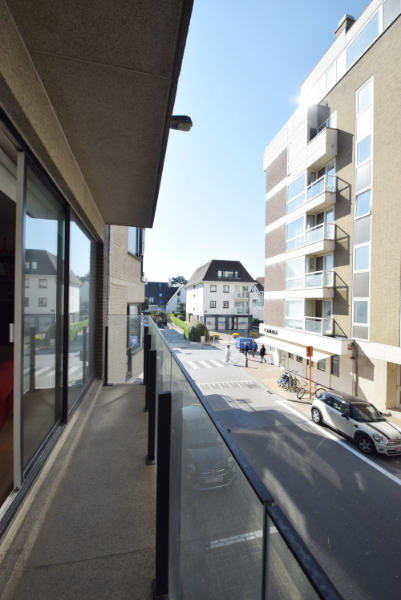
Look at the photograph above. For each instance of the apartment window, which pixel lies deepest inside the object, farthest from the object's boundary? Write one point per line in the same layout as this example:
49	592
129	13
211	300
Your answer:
27	265
43	283
300	359
26	301
226	304
363	40
212	303
226	288
151	300
363	204
42	301
364	97
213	288
296	193
135	241
335	365
26	282
290	355
160	284
34	266
331	77
361	312
294	274
321	365
294	314
364	150
295	234
362	258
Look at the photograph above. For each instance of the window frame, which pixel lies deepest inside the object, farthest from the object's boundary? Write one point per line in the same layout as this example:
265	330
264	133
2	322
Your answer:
332	368
287	240
212	304
320	366
369	189
289	201
26	282
377	12
40	281
226	302
213	291
42	304
226	291
359	247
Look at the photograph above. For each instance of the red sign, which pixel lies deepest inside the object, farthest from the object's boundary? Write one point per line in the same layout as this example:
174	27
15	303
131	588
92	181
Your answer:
309	351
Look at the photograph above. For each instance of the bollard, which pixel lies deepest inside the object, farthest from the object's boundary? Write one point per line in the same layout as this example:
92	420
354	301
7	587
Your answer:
246	361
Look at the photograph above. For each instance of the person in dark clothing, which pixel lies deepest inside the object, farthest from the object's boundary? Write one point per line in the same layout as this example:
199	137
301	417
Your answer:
246	350
262	353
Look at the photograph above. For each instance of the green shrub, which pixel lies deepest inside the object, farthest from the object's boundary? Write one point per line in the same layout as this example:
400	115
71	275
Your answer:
76	327
181	317
195	330
178	322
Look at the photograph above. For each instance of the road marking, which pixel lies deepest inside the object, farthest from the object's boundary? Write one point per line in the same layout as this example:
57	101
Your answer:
192	364
238	539
231	384
219	364
205	364
42	370
341	443
50	374
70	371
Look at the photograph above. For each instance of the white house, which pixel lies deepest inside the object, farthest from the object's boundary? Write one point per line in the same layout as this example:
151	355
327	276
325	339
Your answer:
179	297
220	294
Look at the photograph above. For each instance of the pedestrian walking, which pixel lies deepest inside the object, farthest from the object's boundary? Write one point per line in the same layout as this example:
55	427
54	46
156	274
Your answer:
253	350
262	353
228	354
246	350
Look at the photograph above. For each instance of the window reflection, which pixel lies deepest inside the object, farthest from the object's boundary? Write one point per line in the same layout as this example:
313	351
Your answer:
81	353
43	314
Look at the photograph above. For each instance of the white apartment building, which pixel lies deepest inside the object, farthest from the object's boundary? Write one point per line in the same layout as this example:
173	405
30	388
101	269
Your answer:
179	297
220	294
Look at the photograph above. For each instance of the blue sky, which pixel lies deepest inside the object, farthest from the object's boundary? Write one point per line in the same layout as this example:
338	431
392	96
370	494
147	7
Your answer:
240	82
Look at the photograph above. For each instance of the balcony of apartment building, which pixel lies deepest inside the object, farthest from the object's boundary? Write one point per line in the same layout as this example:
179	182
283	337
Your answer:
305	237
322	145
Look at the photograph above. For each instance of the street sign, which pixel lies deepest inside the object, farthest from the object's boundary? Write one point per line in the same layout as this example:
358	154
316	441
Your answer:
309	351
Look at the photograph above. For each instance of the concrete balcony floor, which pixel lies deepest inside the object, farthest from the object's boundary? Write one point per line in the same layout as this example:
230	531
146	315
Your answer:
87	527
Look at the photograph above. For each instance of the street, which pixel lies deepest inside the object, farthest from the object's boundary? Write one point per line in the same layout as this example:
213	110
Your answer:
343	504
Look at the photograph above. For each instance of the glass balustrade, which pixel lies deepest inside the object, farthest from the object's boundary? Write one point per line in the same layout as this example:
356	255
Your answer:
319	233
221	513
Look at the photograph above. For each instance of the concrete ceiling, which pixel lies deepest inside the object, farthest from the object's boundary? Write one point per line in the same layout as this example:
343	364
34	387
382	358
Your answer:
110	69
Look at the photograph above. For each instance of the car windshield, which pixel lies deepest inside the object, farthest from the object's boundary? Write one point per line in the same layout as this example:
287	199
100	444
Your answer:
367	412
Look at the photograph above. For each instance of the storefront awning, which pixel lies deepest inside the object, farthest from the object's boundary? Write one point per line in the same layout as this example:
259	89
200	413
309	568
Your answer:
296	349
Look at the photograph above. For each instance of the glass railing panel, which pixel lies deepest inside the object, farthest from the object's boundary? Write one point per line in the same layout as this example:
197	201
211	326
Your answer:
331	183
294	323
330	229
327	326
316	188
215	516
329	278
295	243
285	580
313	325
314	235
314	279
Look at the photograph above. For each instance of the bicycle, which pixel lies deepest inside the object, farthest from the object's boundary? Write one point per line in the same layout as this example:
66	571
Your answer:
289	382
304	389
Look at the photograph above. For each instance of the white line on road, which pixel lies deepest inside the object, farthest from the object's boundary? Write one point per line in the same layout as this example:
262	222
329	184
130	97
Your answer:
51	373
219	364
42	370
341	443
74	369
192	364
205	364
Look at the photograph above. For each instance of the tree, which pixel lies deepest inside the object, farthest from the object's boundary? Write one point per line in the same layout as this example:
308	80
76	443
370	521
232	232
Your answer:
179	280
145	305
181	307
84	278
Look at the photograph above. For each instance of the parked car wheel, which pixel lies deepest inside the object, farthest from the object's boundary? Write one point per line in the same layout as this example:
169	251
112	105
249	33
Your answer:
316	416
365	444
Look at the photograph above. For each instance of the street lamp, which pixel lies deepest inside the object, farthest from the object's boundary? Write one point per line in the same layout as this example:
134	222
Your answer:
181	123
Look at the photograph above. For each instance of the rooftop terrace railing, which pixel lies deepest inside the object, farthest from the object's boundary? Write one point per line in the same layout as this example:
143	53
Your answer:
226	537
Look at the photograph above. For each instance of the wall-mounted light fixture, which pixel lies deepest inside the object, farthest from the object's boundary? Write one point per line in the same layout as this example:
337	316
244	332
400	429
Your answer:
181	122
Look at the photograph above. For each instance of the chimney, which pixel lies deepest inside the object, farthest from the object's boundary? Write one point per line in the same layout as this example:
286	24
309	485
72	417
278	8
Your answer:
346	22
169	283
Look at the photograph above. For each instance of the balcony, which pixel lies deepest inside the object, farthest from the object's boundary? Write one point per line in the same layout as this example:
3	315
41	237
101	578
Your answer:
241	295
321	149
321	194
320	326
317	240
242	310
319	285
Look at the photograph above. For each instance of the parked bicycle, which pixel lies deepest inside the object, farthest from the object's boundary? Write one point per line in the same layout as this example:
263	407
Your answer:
304	389
289	381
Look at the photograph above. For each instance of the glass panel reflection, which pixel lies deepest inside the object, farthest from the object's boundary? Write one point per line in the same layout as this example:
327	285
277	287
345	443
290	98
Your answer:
43	314
81	351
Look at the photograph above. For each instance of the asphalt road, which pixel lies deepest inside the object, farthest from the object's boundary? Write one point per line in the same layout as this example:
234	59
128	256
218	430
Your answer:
345	509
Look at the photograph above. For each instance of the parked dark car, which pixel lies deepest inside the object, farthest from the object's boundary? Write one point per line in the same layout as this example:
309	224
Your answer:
241	341
208	462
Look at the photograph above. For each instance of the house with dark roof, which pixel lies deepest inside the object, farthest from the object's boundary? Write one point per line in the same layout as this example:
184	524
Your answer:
220	294
179	297
159	293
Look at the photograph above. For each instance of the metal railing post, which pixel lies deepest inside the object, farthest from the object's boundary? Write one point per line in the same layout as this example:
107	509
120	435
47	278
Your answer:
84	353
160	584
148	348
106	357
32	360
145	333
150	459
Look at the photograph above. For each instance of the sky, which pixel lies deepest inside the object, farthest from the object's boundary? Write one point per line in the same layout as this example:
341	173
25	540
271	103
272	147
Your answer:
241	77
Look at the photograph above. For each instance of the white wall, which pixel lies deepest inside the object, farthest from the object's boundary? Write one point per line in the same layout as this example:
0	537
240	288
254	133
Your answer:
34	292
